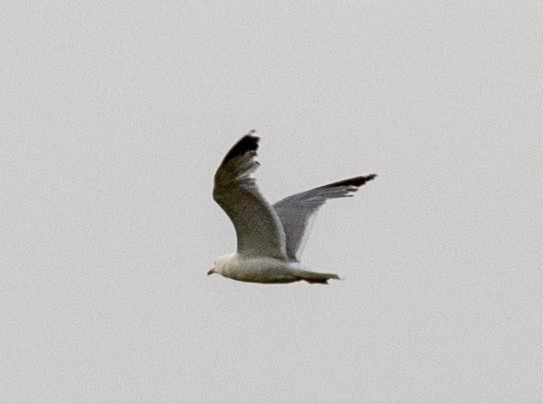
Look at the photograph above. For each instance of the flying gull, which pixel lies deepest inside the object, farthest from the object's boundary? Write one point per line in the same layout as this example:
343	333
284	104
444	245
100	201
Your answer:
269	237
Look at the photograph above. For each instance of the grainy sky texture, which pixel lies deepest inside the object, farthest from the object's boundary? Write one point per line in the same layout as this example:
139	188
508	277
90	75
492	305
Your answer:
114	117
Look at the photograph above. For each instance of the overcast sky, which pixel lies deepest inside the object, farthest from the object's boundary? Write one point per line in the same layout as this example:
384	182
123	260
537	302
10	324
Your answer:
114	118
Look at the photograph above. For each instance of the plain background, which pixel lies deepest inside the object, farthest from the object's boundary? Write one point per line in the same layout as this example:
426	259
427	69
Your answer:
114	117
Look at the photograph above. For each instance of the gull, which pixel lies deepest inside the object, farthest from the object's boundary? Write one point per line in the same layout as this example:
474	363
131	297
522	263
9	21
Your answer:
269	237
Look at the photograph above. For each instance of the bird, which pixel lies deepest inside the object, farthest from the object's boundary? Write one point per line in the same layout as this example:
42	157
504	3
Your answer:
269	237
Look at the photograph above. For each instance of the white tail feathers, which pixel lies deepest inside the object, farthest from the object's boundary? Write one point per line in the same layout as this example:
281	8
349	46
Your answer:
315	277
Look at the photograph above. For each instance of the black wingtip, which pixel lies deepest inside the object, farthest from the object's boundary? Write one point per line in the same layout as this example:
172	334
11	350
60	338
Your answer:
249	142
356	181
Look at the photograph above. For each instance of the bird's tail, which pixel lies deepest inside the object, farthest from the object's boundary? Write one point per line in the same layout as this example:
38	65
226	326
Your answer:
315	277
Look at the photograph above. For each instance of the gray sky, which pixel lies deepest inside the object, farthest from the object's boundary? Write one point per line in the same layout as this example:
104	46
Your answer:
114	117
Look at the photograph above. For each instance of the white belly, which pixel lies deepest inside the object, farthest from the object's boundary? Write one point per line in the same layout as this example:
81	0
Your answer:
261	270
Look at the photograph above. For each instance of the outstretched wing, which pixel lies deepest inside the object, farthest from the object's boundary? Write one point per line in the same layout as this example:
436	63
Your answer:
297	211
258	228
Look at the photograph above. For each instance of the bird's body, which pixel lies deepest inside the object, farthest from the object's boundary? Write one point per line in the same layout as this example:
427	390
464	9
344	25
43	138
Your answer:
266	270
270	237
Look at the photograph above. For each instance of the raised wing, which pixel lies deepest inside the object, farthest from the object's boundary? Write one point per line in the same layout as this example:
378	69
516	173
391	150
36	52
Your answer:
258	228
298	211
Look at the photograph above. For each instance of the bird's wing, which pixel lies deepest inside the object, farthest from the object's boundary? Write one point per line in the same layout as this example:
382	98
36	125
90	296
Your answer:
298	211
258	228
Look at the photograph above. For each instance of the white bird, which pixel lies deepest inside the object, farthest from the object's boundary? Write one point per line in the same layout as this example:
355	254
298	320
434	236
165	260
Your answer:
269	236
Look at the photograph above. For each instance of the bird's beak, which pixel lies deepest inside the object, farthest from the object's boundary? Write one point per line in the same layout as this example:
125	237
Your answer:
211	271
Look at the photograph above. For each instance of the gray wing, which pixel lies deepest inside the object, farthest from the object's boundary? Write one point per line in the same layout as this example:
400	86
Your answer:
258	228
298	211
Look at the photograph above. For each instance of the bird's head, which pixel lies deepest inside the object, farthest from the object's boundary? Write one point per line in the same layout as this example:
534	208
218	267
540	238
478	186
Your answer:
221	265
